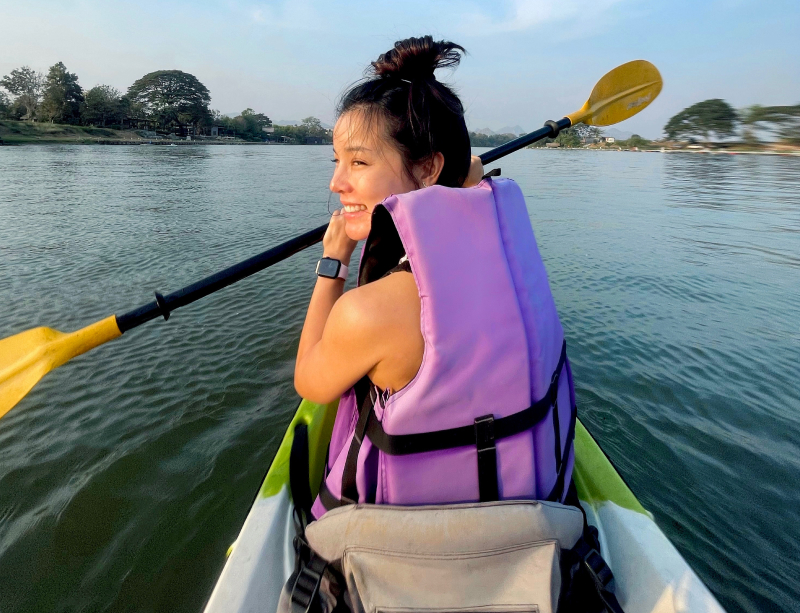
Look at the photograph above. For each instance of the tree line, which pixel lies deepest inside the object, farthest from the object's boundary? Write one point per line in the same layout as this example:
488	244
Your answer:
162	101
718	119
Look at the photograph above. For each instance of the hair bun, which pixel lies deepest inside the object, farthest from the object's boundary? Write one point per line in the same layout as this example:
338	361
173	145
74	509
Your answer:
417	58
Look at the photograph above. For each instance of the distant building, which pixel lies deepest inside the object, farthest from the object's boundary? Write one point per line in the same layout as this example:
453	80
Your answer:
268	129
609	139
553	145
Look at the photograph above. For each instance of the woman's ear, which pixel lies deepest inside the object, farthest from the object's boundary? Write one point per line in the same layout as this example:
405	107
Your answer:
430	170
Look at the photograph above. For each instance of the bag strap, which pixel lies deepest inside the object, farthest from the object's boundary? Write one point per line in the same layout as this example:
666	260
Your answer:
303	585
597	570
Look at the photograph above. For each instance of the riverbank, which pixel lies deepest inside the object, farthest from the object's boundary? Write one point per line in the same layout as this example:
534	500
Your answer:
782	151
28	133
24	132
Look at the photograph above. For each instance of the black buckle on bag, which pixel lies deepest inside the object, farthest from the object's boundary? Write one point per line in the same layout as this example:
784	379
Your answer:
306	586
594	563
487	458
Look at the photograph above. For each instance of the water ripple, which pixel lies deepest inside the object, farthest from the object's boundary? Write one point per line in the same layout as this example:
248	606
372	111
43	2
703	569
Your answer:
125	475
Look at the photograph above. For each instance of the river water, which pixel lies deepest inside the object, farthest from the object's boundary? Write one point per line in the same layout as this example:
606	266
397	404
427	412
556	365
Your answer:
126	474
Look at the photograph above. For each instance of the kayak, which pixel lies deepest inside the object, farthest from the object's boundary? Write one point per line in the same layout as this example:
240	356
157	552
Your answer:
650	575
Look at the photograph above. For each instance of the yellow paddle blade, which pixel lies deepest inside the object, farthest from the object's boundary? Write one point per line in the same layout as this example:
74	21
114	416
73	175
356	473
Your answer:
28	356
620	94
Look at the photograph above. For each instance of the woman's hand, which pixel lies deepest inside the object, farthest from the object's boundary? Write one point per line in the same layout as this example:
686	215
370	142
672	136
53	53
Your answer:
336	244
475	172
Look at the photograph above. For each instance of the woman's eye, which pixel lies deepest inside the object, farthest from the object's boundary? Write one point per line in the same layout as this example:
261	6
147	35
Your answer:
335	161
358	163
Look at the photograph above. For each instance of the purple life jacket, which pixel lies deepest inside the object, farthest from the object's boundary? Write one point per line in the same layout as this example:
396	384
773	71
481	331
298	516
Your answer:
491	413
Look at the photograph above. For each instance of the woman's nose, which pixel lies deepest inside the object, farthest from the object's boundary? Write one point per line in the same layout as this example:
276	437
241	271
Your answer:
338	180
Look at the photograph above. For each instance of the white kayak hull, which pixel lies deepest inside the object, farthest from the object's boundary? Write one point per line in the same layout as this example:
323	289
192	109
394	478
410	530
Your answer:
651	576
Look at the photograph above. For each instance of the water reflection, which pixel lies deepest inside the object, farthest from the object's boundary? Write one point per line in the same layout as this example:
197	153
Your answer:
125	475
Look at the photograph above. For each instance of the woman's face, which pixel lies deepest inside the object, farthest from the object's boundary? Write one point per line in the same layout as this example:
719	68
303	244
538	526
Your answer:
368	169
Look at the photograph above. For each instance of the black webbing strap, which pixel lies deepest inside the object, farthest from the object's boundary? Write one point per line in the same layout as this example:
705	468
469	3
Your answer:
306	580
298	473
557	433
364	396
406	444
328	500
558	488
595	567
487	458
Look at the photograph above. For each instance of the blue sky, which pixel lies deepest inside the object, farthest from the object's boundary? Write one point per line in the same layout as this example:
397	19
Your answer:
529	60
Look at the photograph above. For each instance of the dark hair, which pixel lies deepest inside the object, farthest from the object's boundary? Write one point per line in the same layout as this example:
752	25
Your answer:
423	116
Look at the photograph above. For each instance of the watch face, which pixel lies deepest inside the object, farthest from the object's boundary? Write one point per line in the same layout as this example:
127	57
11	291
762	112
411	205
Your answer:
328	268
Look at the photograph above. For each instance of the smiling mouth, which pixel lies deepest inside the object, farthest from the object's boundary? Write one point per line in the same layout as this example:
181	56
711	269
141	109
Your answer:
354	208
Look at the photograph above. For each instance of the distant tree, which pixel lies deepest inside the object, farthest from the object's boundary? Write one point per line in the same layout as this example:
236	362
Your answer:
103	104
313	126
310	126
702	119
782	121
584	131
5	106
62	96
171	97
26	86
638	141
478	139
569	137
249	124
633	141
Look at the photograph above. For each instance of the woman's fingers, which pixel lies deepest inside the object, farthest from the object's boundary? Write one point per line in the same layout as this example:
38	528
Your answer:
336	244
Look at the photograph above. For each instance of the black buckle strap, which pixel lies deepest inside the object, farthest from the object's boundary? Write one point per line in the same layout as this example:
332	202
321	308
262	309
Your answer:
364	393
594	563
406	444
561	477
487	458
305	591
600	573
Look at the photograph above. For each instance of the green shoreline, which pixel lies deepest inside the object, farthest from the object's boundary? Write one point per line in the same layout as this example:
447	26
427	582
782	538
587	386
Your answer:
29	133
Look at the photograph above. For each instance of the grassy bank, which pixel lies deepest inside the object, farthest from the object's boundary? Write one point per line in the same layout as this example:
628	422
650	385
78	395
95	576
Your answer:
25	132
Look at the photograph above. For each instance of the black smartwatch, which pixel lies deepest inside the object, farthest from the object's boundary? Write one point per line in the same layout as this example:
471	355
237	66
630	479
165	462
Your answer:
331	269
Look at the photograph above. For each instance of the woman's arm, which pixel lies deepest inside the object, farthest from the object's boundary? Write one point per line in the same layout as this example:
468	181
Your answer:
372	330
331	328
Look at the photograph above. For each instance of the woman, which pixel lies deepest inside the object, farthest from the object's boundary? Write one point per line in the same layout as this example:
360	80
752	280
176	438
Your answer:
398	133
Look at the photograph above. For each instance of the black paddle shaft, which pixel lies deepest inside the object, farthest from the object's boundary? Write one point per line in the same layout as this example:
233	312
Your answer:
164	305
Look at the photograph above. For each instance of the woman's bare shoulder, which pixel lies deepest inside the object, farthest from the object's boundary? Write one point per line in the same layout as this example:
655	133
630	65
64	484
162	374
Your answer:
386	303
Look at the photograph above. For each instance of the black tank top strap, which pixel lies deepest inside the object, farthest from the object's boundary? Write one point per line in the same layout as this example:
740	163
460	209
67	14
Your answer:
404	266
